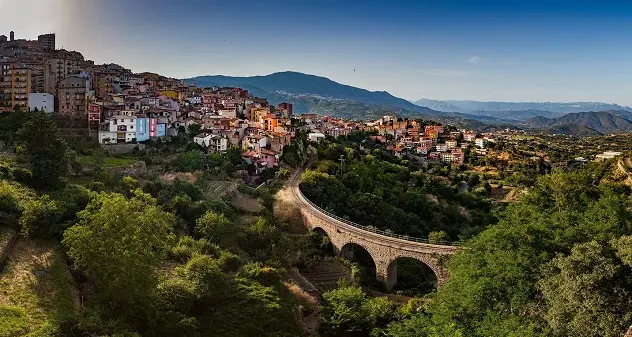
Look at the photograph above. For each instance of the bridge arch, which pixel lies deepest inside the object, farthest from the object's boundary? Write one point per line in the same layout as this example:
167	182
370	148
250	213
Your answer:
329	248
418	269
362	256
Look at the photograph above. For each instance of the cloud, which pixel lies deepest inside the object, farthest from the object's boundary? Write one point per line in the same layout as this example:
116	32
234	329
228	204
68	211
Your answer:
473	59
447	72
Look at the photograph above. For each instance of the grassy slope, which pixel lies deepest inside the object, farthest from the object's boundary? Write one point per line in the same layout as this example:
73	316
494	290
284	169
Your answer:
37	291
108	162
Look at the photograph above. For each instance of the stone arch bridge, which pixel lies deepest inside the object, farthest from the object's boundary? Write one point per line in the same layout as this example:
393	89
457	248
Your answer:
384	248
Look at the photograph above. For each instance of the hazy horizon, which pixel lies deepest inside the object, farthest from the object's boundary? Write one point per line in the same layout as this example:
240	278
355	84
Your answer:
505	51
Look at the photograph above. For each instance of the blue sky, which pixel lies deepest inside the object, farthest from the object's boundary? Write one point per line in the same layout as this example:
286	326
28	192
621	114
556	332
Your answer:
481	50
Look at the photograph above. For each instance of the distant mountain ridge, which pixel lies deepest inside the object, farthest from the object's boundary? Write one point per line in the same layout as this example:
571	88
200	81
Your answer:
291	83
518	111
602	122
561	107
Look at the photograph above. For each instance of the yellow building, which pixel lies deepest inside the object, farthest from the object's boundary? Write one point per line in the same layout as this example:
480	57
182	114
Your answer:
257	114
170	93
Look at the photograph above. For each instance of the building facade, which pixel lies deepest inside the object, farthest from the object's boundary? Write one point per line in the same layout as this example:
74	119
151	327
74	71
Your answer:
15	85
72	97
46	41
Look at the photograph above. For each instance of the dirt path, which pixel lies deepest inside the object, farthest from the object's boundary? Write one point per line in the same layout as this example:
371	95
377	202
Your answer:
309	298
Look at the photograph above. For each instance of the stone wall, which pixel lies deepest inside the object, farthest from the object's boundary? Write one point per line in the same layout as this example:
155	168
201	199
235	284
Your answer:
122	148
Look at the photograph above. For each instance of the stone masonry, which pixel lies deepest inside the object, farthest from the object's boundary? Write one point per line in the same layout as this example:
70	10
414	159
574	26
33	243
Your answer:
384	250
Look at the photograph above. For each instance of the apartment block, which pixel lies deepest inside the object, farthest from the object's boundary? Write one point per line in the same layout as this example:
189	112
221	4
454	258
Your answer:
15	85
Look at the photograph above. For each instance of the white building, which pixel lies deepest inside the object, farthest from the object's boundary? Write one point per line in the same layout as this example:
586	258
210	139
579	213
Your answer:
120	129
218	144
452	144
608	155
203	139
195	100
42	102
480	142
227	113
254	142
213	143
442	147
315	137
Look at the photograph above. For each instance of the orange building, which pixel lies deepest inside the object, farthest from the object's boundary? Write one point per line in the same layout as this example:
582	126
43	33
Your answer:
15	85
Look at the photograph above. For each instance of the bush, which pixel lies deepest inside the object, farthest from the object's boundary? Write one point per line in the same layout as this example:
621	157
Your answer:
264	275
214	227
22	175
40	217
229	262
437	237
96	186
176	294
187	247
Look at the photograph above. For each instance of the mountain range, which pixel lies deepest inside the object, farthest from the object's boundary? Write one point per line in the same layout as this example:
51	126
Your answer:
593	122
316	94
299	85
519	111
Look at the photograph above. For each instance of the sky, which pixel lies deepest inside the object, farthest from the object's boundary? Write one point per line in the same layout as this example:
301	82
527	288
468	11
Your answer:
495	50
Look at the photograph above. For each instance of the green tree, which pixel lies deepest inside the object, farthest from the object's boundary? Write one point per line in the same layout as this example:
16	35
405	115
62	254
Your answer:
191	161
194	129
118	243
588	293
438	237
347	310
214	227
40	217
45	151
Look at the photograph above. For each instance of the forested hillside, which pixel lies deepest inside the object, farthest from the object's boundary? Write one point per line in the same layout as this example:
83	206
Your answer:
369	186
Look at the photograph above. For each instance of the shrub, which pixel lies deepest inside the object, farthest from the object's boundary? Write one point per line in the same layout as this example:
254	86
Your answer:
176	294
214	227
229	262
187	247
437	237
264	275
40	217
22	175
96	186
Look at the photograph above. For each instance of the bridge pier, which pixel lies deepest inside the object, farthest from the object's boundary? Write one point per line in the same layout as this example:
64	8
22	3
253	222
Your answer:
387	274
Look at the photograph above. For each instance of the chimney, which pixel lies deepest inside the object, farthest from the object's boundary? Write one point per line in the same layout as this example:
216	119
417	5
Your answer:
12	36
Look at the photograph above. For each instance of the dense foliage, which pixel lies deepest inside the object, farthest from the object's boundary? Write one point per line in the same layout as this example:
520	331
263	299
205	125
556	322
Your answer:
550	267
391	194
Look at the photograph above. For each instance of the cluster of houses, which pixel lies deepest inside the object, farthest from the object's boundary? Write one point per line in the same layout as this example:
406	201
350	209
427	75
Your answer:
429	143
123	107
222	118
